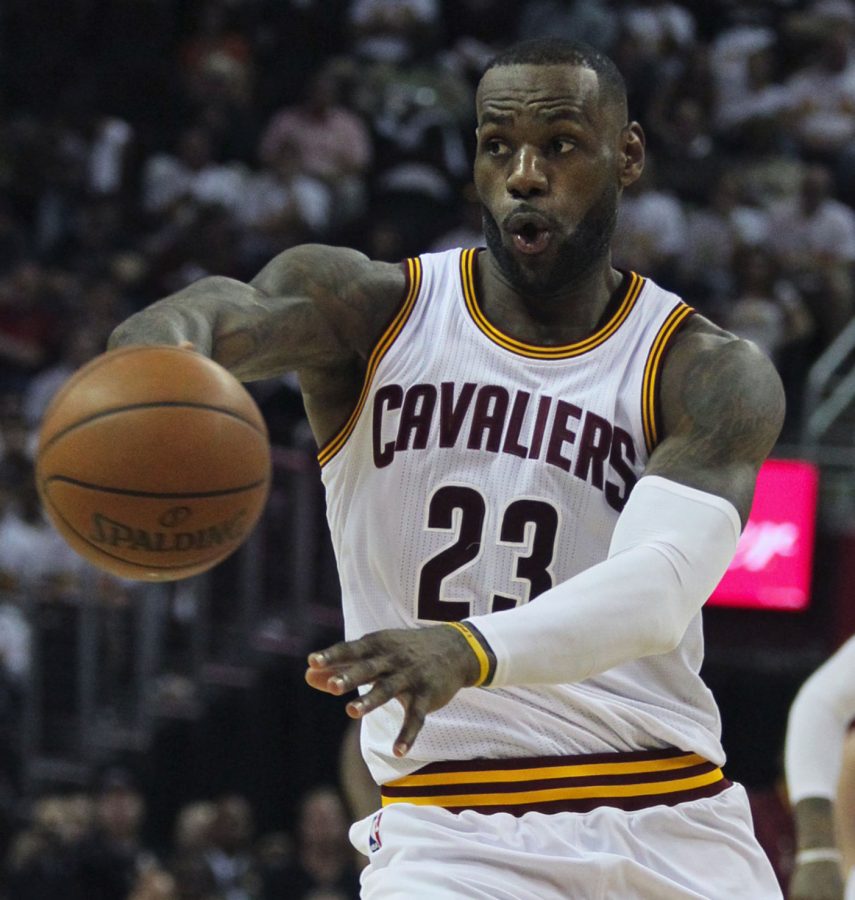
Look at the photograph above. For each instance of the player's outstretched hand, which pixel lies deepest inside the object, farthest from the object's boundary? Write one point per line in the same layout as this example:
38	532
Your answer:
820	880
423	668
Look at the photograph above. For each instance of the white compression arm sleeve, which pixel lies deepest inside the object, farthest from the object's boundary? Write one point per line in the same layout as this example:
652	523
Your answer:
670	548
816	729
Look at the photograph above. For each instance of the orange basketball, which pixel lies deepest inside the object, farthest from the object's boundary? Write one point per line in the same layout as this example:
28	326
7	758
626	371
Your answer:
153	462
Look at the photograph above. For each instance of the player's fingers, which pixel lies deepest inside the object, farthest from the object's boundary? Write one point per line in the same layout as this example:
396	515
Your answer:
340	653
414	719
320	678
341	679
382	692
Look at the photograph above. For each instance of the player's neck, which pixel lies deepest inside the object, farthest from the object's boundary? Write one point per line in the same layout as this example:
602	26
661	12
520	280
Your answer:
569	315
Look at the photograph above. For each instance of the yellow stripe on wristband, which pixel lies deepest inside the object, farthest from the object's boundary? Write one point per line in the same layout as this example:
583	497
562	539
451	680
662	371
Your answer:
477	649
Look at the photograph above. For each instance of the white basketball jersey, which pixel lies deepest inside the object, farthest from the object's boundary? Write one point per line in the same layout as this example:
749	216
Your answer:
476	472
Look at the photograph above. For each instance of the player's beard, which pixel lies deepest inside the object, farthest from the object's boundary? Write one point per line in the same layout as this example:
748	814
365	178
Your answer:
577	253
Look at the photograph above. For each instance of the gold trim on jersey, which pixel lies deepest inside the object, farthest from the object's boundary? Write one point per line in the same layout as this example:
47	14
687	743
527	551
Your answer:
558	784
652	369
387	338
535	351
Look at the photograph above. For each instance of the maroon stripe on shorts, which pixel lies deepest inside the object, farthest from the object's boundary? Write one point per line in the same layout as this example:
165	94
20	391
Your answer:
519	797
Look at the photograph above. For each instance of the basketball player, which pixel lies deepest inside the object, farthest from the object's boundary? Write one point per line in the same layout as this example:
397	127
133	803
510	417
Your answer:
536	467
819	719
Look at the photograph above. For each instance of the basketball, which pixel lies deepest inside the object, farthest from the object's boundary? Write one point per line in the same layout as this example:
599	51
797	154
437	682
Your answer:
153	462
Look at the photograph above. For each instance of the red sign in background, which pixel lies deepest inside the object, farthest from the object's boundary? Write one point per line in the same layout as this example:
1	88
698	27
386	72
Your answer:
773	562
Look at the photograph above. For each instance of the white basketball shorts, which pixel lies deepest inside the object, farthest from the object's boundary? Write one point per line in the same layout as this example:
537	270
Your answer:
702	848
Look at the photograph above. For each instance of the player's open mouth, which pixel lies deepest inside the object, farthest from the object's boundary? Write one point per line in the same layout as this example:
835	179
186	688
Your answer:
530	232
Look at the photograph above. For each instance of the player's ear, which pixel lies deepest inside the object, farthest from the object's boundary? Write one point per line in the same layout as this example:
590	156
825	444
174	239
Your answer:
631	154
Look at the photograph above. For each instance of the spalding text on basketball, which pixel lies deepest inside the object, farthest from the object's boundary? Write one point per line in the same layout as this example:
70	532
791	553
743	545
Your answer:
111	533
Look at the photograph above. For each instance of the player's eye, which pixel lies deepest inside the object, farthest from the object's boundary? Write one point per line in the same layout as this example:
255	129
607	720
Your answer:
562	145
495	147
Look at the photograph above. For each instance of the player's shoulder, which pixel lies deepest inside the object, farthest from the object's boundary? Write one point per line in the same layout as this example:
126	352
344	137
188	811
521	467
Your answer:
701	344
711	375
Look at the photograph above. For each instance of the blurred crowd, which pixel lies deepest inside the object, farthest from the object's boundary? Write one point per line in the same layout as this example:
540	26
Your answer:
92	846
146	143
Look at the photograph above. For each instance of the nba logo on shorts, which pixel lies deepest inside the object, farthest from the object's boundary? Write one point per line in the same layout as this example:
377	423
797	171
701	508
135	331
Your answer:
374	842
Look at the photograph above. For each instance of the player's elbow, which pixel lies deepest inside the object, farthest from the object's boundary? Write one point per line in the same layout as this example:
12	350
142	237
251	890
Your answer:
668	636
675	606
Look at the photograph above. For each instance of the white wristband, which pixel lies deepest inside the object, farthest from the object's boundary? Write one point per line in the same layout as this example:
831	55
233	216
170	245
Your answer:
817	854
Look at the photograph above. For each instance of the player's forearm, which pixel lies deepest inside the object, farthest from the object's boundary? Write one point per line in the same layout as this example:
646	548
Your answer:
670	548
246	330
192	314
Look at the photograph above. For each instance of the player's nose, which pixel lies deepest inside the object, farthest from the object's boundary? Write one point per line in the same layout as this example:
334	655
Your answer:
527	175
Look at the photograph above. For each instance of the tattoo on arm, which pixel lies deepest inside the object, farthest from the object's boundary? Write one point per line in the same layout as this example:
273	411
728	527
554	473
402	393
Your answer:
312	307
723	407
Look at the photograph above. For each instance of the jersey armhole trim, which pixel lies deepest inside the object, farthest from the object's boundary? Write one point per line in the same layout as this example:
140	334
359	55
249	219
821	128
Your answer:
413	274
651	413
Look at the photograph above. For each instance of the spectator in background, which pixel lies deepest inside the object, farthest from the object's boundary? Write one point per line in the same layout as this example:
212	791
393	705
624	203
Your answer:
329	142
765	307
822	93
714	231
112	857
193	828
284	205
651	228
229	857
813	238
756	114
42	862
191	172
324	857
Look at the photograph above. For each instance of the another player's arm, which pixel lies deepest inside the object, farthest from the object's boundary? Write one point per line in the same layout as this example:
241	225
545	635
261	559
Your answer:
813	760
